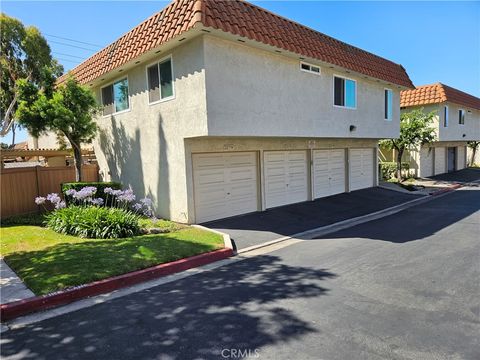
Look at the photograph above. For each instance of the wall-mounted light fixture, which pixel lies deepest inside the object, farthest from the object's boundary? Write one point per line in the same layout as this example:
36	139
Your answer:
353	128
464	135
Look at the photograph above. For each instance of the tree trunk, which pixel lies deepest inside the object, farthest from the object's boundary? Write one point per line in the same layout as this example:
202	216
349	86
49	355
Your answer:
399	164
77	157
14	127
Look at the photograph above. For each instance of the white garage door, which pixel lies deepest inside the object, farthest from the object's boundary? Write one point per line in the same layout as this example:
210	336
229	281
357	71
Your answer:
286	177
361	168
328	172
461	157
225	184
440	161
426	162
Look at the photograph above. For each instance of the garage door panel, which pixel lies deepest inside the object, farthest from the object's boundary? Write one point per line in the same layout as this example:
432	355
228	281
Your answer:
286	177
225	184
440	160
329	172
461	157
426	162
361	165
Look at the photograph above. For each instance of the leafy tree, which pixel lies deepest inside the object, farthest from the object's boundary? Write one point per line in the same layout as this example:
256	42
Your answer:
474	146
24	54
415	131
69	112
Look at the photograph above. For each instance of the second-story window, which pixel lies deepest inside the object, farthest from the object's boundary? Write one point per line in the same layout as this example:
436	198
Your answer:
344	92
388	107
160	81
115	97
445	116
461	117
310	68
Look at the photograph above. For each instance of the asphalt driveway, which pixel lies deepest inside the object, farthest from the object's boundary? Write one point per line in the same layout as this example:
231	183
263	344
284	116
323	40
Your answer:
402	287
260	227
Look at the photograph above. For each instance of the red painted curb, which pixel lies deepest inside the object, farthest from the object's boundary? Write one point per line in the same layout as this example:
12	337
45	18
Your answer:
22	307
448	189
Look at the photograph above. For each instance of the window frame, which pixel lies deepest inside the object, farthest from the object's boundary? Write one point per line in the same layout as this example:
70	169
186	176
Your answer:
391	91
445	116
460	113
118	79
310	71
158	62
345	92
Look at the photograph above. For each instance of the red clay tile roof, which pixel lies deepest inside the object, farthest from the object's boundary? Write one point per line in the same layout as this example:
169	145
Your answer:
242	19
435	94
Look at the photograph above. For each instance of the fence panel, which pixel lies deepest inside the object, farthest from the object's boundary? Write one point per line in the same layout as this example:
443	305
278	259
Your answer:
20	186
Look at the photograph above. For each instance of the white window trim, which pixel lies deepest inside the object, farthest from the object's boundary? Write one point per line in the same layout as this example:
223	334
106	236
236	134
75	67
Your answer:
168	57
464	116
129	100
310	71
333	92
445	116
387	119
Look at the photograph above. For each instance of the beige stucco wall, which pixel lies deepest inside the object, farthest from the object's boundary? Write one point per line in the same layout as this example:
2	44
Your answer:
150	147
44	141
143	148
253	92
454	131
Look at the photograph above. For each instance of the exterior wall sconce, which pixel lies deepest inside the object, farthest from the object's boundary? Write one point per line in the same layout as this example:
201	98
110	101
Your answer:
353	128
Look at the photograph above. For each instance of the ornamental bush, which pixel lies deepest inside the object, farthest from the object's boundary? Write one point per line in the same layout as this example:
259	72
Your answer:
94	222
388	169
89	216
100	186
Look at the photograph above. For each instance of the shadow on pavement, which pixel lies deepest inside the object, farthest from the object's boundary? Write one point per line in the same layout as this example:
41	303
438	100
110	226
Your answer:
260	227
193	318
461	176
424	222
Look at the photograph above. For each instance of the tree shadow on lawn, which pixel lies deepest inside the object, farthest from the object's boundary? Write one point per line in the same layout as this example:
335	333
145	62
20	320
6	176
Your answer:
237	306
69	264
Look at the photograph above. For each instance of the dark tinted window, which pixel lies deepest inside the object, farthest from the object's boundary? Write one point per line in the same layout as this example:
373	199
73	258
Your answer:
339	91
153	83
107	100
166	82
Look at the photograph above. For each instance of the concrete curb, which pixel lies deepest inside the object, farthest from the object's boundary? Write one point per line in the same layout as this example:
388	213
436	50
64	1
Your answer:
226	237
22	307
323	230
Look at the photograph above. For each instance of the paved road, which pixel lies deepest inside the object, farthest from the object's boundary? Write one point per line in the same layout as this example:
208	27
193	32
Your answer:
403	287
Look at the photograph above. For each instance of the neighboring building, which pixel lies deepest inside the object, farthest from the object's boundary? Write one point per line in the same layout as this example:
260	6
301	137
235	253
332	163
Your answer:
218	108
44	141
457	121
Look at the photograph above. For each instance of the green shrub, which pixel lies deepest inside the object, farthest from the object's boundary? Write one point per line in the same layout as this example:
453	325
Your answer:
77	186
27	219
388	169
94	222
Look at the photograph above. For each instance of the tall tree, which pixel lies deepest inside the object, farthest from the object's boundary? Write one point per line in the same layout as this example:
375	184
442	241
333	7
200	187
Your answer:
68	111
415	130
474	146
24	54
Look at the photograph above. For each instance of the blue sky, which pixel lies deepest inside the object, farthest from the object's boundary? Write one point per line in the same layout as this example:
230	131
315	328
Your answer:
434	41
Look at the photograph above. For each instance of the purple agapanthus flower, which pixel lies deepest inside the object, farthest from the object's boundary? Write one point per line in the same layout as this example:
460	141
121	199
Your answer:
70	192
127	196
40	200
97	201
60	205
108	190
54	198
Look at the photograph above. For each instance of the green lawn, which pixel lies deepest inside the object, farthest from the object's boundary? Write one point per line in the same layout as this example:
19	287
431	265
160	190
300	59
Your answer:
47	261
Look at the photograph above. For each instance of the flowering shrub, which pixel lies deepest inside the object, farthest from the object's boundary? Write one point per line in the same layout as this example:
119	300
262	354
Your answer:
91	216
94	222
78	186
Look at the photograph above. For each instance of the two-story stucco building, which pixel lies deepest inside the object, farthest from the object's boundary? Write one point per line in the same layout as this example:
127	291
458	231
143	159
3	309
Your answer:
219	108
457	121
